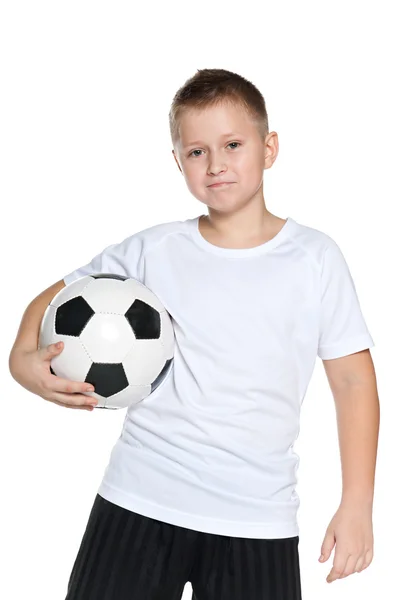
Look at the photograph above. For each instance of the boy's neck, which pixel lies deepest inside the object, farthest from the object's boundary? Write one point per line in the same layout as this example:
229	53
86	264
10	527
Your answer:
240	232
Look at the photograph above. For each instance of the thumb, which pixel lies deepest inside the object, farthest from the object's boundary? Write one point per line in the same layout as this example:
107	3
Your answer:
53	349
327	545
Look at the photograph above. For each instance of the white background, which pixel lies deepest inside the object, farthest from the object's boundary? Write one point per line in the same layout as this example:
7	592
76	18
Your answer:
86	161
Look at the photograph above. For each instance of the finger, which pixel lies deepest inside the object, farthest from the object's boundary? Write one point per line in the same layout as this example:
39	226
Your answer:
360	563
73	399
327	545
51	350
339	563
59	384
350	566
368	559
90	408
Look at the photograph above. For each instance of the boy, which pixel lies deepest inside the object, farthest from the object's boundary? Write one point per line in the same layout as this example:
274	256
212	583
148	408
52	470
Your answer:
200	486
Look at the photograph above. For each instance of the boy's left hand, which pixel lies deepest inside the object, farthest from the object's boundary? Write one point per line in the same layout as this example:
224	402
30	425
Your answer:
351	530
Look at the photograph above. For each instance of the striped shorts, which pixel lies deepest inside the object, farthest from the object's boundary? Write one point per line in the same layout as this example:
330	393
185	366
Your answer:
127	556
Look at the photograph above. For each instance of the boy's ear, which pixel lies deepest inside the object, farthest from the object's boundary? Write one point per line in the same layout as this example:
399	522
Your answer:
176	160
271	149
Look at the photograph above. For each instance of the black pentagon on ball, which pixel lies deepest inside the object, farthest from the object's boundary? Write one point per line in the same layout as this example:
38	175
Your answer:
109	276
161	376
73	316
107	379
144	320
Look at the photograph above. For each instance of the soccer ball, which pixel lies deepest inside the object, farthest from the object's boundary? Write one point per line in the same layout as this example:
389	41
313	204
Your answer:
117	336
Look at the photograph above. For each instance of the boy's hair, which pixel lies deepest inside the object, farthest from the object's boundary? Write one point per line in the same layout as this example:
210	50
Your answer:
209	87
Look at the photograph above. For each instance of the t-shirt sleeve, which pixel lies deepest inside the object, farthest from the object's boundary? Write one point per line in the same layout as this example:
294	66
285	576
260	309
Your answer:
123	258
342	327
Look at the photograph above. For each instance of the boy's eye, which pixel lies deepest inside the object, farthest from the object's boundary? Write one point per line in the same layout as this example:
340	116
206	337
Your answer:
230	144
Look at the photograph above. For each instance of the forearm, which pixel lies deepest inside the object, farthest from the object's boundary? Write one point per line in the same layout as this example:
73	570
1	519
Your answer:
28	333
358	418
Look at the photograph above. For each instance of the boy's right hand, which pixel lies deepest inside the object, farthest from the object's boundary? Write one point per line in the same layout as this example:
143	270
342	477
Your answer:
33	369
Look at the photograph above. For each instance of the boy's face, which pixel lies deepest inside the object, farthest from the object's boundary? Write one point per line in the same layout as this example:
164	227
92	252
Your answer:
206	155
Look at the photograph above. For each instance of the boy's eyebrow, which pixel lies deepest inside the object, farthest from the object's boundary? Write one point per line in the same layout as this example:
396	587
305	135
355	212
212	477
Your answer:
233	134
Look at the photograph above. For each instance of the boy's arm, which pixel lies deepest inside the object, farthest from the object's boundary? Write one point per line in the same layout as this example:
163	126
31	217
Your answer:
353	383
28	334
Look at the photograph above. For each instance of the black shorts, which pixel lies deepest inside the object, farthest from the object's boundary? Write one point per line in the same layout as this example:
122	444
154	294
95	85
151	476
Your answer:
127	556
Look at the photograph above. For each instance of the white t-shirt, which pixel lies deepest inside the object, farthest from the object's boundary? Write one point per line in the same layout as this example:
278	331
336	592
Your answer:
212	448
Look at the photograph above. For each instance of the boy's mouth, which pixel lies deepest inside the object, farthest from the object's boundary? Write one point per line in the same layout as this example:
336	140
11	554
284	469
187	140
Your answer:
222	183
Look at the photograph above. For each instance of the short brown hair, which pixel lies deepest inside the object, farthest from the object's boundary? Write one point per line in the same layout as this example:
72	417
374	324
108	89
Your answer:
209	87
